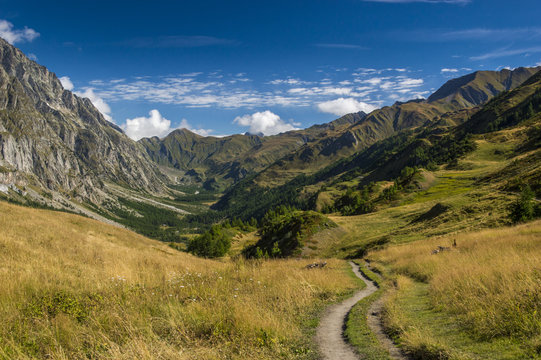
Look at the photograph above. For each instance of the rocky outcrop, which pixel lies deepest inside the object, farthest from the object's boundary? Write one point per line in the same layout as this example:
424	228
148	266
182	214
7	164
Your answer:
52	139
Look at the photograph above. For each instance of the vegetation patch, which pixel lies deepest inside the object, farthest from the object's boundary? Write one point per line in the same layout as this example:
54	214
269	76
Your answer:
526	207
62	302
284	230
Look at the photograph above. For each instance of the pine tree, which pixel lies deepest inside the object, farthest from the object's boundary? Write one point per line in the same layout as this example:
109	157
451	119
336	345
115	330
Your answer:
524	210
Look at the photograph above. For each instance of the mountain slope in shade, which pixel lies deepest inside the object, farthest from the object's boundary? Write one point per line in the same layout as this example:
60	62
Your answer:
52	139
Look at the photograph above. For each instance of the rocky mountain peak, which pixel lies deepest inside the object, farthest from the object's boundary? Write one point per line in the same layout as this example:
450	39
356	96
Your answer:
55	140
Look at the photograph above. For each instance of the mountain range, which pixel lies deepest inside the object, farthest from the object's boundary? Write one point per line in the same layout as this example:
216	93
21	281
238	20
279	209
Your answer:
56	148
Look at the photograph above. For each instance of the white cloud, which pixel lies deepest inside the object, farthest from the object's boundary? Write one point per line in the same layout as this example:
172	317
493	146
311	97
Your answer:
208	91
493	34
154	125
13	36
374	81
66	82
445	70
342	106
98	102
507	52
336	91
400	83
32	56
288	81
178	41
264	122
184	124
407	83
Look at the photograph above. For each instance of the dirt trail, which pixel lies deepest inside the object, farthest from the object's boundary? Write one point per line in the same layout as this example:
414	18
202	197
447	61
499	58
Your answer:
329	335
374	323
330	332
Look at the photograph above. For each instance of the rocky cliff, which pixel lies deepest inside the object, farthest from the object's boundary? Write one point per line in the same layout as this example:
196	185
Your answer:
50	139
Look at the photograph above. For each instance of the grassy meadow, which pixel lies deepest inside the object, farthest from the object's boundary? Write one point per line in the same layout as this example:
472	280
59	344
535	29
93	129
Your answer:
447	201
74	288
478	300
481	299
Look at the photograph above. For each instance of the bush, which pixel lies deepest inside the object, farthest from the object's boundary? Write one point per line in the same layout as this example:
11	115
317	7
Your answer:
212	244
283	231
525	209
355	202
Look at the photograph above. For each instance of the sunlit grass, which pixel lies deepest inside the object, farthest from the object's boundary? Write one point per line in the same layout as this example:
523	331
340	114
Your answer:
71	287
470	204
482	297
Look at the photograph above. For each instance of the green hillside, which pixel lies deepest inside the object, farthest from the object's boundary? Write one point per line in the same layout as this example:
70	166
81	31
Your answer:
438	141
217	163
452	104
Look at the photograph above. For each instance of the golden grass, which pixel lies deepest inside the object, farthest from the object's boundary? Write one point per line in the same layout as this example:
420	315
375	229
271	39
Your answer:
242	240
73	288
491	282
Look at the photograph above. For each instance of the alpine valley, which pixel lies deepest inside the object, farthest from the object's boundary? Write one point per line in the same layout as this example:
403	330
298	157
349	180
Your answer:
193	247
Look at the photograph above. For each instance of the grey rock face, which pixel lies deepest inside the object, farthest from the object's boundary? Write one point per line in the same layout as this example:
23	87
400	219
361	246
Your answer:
55	140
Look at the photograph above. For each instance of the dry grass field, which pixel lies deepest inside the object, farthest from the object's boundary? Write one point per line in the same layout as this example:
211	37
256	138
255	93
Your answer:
74	288
481	298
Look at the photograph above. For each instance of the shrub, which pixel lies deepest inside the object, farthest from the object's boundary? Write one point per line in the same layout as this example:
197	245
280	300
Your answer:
212	244
524	209
283	231
354	202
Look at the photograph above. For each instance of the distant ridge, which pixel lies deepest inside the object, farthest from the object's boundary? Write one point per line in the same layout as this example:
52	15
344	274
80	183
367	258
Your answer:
390	143
229	159
478	87
452	104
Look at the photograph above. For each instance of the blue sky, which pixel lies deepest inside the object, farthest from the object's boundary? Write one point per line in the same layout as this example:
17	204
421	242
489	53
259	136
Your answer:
223	67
